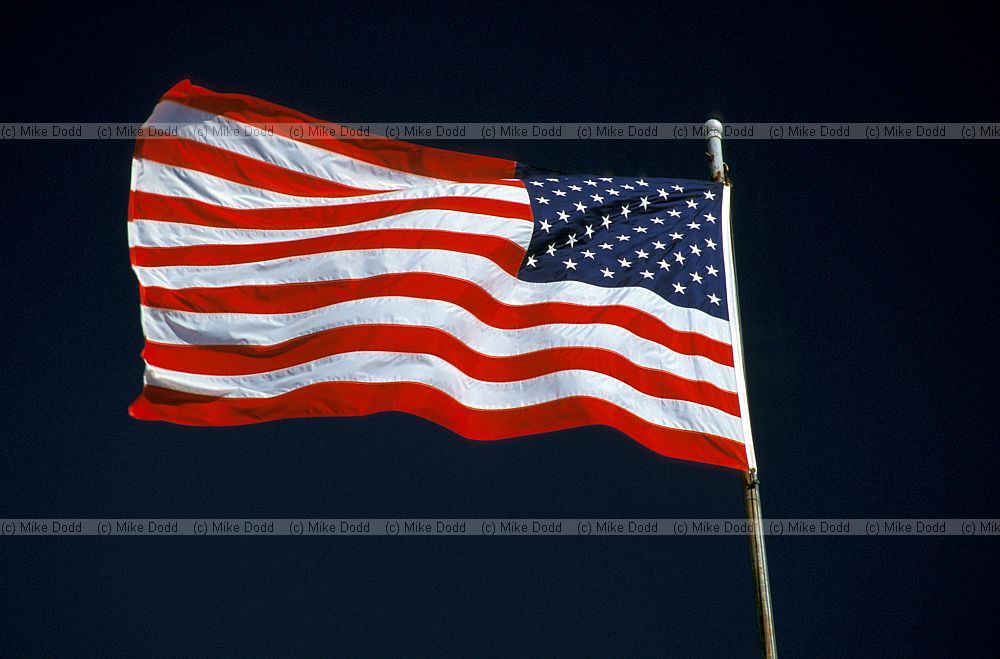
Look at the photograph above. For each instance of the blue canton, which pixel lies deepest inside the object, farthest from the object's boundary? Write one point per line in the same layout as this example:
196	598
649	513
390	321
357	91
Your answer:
660	234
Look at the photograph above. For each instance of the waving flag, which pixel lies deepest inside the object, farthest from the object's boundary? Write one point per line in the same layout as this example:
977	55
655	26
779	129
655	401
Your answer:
284	274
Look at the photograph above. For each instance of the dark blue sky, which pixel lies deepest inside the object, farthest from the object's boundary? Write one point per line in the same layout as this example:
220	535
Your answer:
868	277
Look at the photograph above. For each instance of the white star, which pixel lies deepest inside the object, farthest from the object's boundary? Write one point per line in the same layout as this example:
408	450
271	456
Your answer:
545	226
570	265
656	220
538	183
663	193
640	229
587	254
678	188
674	213
532	261
589	182
622	238
589	230
607	273
551	249
715	299
563	215
712	271
658	245
710	218
613	192
679	257
571	240
709	195
605	245
541	200
580	207
695	250
642	183
554	180
647	274
606	221
678	288
598	198
710	243
692	203
626	186
605	179
696	277
625	211
641	254
575	188
663	264
625	263
693	225
559	193
677	236
644	202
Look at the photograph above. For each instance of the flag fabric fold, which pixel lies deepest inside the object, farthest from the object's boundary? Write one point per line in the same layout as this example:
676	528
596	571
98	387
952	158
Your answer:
287	273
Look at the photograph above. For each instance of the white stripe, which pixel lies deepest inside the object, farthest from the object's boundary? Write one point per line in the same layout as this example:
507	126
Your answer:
734	313
437	373
172	181
153	233
212	129
189	328
358	264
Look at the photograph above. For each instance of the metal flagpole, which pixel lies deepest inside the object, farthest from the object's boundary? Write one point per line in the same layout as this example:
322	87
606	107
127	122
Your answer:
758	560
713	130
751	486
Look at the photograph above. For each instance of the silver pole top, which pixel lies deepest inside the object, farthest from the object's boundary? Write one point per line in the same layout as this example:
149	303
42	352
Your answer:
713	132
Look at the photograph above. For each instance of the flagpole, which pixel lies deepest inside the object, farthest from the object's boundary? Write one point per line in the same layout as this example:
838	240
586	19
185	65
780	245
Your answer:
713	131
751	485
758	561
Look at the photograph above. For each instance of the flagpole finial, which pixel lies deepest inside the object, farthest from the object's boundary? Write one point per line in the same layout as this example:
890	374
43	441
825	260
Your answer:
713	132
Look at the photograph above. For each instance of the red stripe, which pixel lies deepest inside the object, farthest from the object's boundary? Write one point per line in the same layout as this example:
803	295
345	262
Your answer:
401	156
148	206
503	252
246	359
290	298
243	169
358	399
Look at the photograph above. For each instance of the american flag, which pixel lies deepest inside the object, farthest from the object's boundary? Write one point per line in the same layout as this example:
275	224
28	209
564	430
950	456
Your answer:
285	275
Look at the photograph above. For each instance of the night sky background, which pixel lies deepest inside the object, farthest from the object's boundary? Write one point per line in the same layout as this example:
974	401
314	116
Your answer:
868	277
